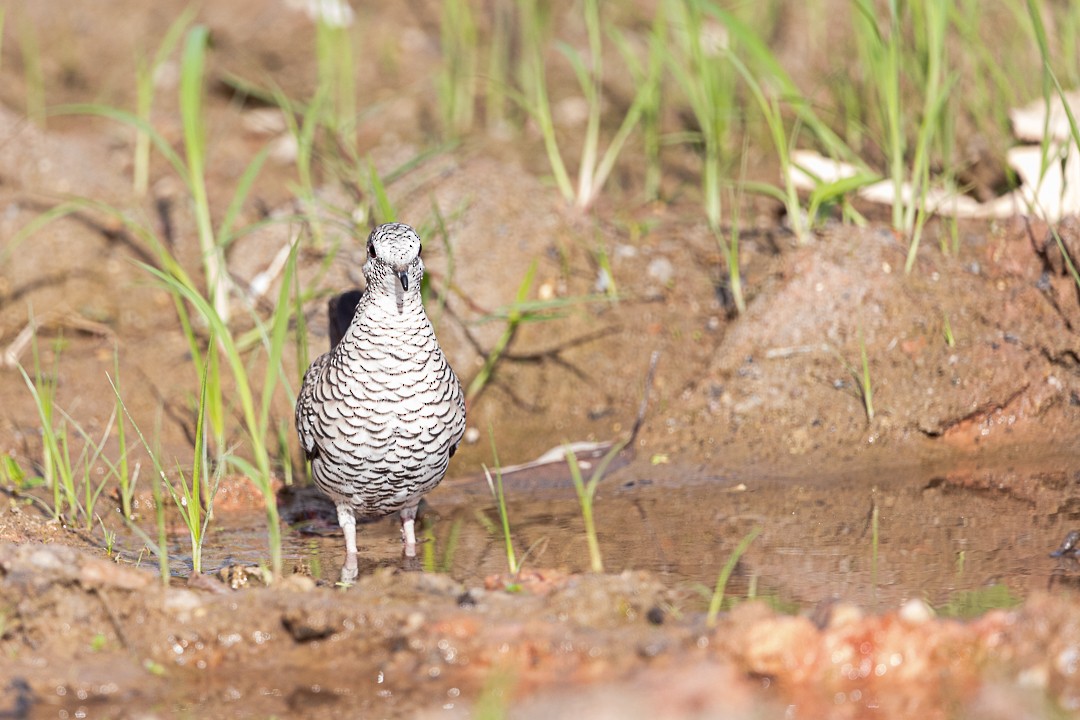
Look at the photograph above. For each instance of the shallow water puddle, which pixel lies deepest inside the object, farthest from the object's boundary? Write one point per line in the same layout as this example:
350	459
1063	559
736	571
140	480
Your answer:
965	539
962	539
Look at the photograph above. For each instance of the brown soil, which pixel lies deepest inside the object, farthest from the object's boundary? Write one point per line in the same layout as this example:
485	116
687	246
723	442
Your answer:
968	464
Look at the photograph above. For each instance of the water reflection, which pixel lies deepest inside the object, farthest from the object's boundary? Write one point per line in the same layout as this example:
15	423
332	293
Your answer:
957	541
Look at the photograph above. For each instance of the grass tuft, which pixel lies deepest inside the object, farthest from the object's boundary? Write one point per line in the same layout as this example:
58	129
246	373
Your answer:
213	310
189	500
594	167
861	376
335	55
70	477
709	89
1051	83
586	492
457	78
725	574
950	339
145	75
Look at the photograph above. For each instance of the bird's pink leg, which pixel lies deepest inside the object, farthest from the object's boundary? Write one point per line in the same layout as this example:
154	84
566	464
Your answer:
408	530
347	520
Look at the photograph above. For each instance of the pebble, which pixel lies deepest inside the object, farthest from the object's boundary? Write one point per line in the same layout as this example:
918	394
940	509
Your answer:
180	600
305	626
662	270
916	612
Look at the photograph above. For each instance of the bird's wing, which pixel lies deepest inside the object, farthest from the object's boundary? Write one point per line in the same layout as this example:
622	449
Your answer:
306	417
460	430
339	314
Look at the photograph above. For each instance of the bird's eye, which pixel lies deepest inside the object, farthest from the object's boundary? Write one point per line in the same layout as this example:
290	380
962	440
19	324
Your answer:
371	250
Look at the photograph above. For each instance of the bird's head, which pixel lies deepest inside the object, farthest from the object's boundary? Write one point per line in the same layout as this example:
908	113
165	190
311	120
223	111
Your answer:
394	251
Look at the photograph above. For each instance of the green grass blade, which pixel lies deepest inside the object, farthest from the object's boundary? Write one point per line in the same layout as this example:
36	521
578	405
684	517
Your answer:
226	233
128	118
278	334
159	477
499	493
192	67
759	55
49	440
585	494
725	574
867	387
33	73
513	320
385	208
144	82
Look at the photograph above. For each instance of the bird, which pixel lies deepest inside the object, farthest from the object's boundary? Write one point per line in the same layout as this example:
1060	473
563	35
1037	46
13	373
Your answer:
380	415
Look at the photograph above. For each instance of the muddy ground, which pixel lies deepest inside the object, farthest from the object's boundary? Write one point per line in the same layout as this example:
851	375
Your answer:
875	534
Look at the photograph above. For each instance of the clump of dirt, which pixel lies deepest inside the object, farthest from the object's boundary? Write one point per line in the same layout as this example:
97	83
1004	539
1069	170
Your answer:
964	349
582	643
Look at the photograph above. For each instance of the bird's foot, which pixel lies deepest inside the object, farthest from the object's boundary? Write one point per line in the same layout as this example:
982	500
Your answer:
350	570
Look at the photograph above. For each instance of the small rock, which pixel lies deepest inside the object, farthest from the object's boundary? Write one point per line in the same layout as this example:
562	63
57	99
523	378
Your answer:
307	625
182	601
19	699
916	612
438	584
297	583
845	614
662	270
209	583
413	622
799	442
781	646
651	648
239	576
45	559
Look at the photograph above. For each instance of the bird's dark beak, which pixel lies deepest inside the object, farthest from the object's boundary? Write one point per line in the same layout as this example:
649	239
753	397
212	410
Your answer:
403	276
